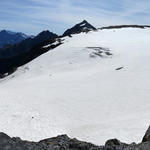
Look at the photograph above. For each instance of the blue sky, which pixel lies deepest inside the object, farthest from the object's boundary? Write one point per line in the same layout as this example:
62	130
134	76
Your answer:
33	16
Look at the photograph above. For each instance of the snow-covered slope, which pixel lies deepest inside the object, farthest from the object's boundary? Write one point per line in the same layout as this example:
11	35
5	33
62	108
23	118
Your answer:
76	91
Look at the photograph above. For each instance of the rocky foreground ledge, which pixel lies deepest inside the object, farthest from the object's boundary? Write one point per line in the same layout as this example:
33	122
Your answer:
63	142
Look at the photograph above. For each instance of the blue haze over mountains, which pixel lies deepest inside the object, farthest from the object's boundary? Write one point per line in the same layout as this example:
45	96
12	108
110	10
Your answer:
10	38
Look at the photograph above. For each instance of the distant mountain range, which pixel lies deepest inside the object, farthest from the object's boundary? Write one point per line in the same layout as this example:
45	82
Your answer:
17	43
17	49
10	38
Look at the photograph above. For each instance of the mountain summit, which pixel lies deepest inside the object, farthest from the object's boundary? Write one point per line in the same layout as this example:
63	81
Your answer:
84	26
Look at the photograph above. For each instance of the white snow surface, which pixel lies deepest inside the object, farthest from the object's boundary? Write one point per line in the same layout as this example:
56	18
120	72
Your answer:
64	91
55	43
83	24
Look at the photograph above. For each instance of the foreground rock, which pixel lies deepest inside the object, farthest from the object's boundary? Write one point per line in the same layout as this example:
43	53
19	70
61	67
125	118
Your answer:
63	142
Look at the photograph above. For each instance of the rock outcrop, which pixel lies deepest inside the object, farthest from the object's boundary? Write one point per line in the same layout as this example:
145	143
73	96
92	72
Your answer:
63	142
84	26
125	26
147	136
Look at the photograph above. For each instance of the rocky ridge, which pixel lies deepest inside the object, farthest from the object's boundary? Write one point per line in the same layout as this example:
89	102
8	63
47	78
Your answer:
63	142
125	26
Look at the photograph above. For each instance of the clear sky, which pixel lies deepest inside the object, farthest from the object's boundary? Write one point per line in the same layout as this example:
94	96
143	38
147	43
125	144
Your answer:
33	16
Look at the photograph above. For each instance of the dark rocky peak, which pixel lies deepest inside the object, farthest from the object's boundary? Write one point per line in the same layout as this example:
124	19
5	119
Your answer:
84	22
84	26
44	35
